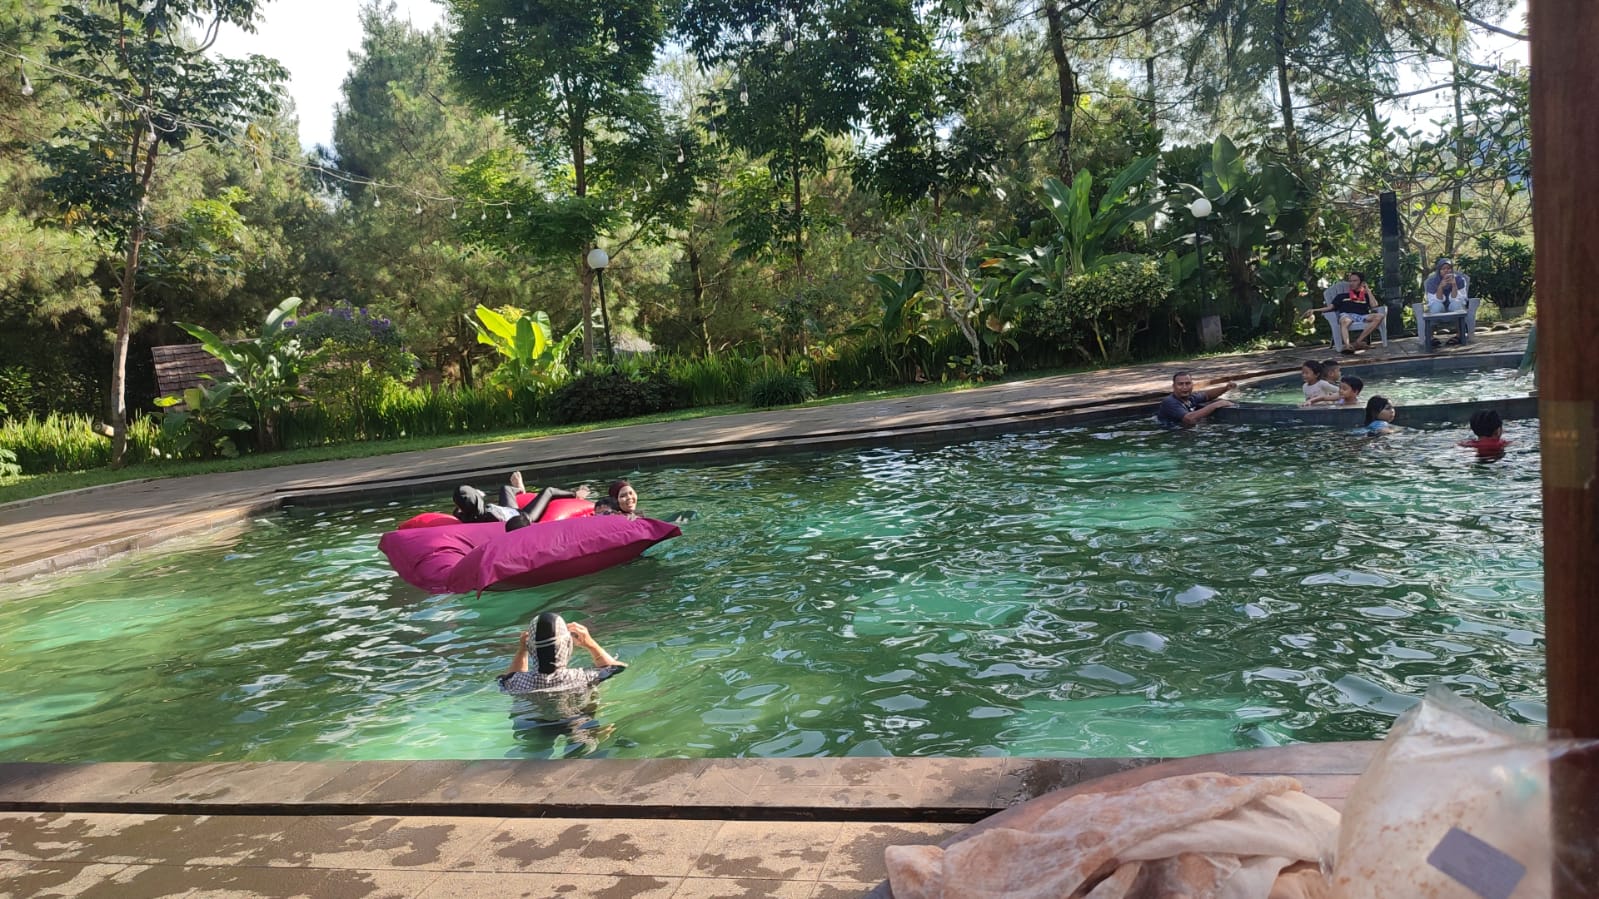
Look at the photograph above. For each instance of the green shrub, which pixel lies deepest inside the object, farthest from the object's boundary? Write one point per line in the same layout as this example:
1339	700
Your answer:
352	361
781	389
205	427
58	442
9	469
608	393
1098	312
1500	270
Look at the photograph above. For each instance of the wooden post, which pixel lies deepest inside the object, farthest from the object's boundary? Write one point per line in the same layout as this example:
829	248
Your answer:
1565	133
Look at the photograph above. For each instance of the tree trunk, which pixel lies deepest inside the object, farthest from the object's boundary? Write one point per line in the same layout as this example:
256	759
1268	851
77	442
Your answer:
130	283
119	352
1564	132
1066	81
1149	76
799	221
580	186
1285	96
1462	150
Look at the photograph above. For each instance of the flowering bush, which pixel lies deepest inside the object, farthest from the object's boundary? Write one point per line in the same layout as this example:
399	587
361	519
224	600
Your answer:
352	358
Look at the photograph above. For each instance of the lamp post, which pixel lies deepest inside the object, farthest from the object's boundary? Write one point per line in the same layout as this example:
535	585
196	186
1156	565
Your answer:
1209	321
598	260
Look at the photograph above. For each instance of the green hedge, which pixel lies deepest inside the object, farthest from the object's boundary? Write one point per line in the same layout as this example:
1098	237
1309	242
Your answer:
57	442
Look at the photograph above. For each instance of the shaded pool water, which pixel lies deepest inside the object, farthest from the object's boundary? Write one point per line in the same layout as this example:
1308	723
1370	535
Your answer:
1447	387
1121	592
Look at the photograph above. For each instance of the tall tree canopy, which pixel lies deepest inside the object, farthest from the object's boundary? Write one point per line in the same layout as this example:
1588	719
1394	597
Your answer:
568	78
157	92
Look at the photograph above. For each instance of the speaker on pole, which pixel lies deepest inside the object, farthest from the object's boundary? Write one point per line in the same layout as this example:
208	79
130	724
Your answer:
1392	290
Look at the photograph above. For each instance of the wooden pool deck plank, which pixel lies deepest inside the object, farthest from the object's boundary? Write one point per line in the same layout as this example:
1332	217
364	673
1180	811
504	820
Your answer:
693	828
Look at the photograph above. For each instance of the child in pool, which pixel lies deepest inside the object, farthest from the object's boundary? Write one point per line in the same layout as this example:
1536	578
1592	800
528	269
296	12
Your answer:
1331	375
1488	428
1379	416
1313	374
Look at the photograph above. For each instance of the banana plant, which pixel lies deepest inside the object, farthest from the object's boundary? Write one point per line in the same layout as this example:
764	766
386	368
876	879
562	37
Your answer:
263	372
1088	230
529	356
898	331
206	425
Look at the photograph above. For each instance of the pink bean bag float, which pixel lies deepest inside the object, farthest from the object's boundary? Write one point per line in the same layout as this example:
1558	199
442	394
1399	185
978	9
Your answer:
471	558
557	510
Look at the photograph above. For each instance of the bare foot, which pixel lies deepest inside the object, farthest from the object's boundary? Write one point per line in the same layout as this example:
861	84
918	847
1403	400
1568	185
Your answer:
582	491
515	481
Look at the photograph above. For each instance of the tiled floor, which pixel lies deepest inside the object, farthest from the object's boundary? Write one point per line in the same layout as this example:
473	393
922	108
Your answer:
378	857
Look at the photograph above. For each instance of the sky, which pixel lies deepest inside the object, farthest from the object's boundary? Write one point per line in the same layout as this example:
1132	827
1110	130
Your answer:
313	39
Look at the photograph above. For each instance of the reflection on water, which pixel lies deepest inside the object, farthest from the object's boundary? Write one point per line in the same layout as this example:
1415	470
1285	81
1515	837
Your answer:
1067	593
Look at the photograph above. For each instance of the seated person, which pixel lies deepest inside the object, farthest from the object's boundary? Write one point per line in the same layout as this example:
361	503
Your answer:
1488	428
1357	307
551	641
1446	290
1186	407
1315	384
1379	415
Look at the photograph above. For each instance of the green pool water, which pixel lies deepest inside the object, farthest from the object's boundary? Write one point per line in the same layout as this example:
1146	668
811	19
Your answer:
1448	387
1114	592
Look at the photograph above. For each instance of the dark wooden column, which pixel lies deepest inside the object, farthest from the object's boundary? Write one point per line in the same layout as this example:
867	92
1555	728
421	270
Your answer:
1565	139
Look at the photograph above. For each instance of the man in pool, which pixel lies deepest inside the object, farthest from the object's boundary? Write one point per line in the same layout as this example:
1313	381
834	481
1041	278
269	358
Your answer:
551	640
1186	407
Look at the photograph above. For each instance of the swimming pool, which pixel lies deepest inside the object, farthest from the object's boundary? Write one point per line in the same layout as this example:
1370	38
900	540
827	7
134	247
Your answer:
1407	388
1109	592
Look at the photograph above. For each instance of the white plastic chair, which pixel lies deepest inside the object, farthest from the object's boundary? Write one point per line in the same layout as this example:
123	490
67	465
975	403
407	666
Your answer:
1465	322
1332	317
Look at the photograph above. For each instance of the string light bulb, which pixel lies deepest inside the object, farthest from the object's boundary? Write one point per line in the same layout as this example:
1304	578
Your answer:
680	155
744	94
452	215
376	202
418	209
788	45
507	215
27	86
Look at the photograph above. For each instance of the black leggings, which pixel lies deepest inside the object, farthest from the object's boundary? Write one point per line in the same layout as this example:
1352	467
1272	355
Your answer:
534	510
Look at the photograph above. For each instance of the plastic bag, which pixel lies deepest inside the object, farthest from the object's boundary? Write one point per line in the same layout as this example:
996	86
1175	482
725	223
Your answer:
1455	805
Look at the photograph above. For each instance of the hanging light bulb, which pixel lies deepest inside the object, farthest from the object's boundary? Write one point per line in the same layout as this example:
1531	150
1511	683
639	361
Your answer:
680	154
27	86
484	217
788	45
256	164
376	202
452	213
418	209
744	94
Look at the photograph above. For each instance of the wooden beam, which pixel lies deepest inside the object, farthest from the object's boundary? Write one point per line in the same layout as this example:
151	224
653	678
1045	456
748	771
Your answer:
1565	137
